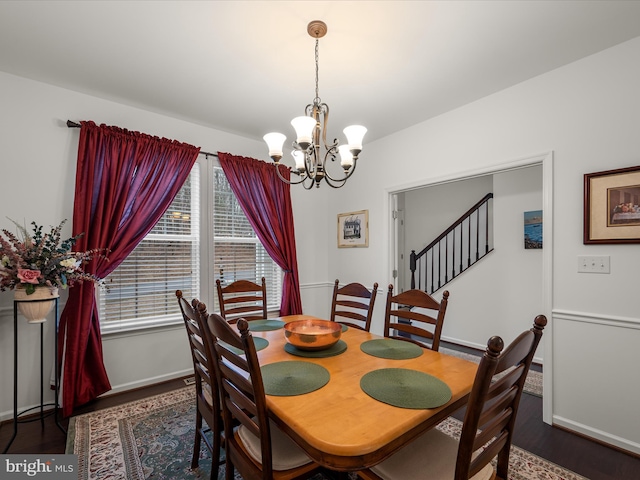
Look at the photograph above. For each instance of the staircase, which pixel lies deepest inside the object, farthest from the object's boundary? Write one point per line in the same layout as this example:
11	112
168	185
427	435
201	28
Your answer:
455	250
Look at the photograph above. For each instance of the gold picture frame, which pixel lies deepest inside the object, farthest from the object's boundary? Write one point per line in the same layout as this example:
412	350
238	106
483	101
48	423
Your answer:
612	206
353	229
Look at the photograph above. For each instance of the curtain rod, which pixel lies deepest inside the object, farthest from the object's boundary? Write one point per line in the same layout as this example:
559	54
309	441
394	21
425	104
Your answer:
71	124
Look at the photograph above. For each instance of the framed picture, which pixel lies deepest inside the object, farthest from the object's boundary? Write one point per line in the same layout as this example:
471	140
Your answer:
353	229
533	229
612	206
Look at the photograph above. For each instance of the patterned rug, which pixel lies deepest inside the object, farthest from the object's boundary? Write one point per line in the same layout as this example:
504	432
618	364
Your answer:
532	385
152	439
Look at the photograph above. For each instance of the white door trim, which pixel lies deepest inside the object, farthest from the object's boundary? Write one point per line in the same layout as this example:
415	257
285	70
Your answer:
546	161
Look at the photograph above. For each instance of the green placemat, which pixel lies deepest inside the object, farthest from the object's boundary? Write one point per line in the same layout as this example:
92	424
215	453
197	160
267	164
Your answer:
391	348
259	343
405	388
264	325
336	349
293	378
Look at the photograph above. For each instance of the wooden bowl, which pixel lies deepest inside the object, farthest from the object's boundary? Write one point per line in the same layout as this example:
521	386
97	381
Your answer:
312	334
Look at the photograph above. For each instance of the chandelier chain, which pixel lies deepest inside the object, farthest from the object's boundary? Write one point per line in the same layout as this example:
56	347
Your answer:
317	57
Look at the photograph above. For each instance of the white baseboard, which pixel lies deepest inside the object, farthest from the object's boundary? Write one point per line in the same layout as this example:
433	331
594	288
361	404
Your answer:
480	348
147	381
8	414
464	343
596	434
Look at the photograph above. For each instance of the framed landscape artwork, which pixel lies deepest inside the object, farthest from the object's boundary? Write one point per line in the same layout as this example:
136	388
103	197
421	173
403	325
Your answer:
353	229
612	206
533	229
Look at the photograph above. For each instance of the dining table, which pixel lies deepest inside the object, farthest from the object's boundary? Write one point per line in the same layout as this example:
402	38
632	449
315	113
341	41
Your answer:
339	424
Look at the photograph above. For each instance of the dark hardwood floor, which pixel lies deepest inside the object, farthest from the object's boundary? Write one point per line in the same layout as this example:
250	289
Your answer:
583	456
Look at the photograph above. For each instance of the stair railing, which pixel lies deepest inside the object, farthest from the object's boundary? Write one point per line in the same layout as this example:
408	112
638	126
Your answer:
456	249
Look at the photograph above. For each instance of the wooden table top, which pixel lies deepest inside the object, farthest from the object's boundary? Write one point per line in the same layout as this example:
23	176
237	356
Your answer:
339	425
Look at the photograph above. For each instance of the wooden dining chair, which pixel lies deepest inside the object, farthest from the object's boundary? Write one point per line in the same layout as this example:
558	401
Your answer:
416	317
207	397
258	449
242	298
352	305
488	425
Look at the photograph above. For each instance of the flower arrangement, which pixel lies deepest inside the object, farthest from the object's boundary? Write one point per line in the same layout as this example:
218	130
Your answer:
36	259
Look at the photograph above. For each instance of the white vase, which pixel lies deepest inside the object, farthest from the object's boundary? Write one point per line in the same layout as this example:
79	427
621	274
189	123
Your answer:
34	307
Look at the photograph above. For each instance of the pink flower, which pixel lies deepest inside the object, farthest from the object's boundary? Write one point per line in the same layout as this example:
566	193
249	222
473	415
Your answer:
28	276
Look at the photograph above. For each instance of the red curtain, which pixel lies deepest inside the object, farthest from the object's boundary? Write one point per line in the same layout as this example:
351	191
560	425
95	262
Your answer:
125	181
266	201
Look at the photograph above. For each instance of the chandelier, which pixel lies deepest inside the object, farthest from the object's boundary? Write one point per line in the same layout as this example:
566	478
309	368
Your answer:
310	162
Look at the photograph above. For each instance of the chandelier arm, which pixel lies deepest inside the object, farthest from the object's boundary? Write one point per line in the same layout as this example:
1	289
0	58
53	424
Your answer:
331	153
302	179
338	184
310	185
310	162
343	179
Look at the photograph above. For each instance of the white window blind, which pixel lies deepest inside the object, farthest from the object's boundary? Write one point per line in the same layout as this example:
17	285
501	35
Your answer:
141	291
238	254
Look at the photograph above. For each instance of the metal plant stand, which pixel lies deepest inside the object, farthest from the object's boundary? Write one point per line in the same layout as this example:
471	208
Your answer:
42	415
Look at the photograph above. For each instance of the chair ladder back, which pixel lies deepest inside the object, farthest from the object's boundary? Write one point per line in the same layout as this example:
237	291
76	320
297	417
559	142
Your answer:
493	403
349	313
208	406
425	324
353	304
243	394
411	315
410	330
242	298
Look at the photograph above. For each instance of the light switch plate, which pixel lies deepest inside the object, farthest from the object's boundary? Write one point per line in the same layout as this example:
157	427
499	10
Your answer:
594	264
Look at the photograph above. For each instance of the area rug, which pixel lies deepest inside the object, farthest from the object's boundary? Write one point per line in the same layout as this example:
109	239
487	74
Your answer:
152	439
532	385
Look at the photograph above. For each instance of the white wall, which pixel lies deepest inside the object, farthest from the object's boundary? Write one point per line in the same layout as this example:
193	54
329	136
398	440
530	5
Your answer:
586	113
38	155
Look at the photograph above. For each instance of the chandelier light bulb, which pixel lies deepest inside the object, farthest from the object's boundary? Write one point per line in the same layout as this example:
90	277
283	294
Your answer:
346	157
355	134
275	141
298	157
304	130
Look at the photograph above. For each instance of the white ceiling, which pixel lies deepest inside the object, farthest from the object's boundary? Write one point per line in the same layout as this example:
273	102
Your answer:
247	67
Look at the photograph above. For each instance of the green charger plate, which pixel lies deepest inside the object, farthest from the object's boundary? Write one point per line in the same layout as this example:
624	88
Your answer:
336	349
265	325
293	378
391	348
260	343
405	388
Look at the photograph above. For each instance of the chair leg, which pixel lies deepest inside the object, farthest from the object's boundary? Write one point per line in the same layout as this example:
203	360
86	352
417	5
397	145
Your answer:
197	441
215	454
229	470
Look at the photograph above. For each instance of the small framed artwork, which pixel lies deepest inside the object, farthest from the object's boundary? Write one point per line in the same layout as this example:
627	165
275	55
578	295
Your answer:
353	229
533	229
612	206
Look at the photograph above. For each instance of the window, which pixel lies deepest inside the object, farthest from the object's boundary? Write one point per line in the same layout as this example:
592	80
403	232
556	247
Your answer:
239	255
141	291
